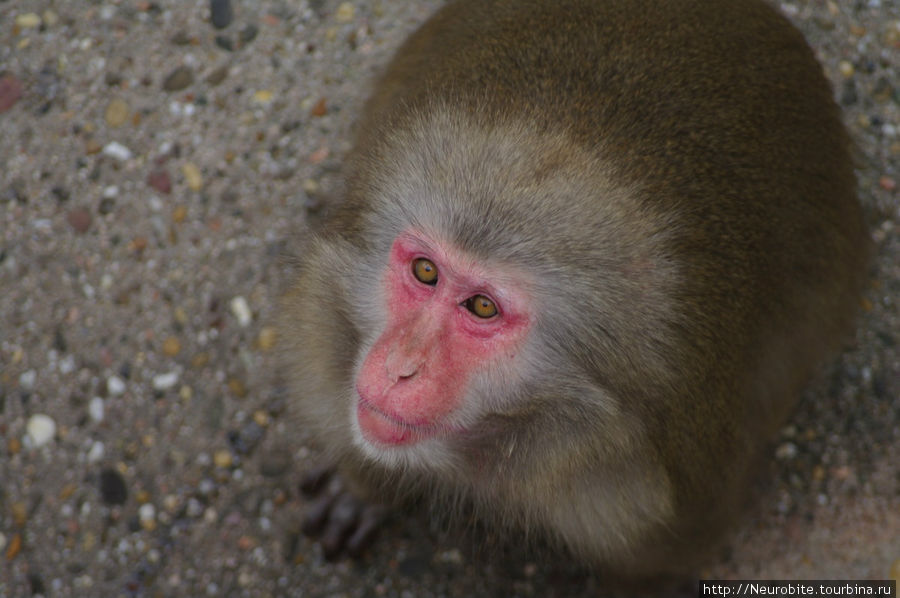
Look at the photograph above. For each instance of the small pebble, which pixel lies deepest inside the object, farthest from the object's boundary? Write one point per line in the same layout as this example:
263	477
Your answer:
894	572
92	146
318	156
165	381
113	490
345	12
846	68
217	75
224	42
237	387
788	450
115	386
221	13
320	108
28	20
10	92
107	205
263	96
41	429
147	512
116	150
222	458
79	219
192	176
455	557
15	545
171	503
50	18
171	346
2	541
241	311
887	183
181	38
266	338
96	409
27	379
261	418
19	513
13	446
178	79
96	452
67	365
159	179
248	33
117	112
178	216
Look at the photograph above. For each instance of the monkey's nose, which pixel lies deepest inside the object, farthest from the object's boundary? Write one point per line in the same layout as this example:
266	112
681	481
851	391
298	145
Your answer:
401	367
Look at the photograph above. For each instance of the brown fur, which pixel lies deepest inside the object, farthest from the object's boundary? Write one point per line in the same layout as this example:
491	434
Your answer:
676	177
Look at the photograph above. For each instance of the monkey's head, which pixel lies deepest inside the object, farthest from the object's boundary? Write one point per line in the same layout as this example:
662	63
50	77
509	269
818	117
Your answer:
464	312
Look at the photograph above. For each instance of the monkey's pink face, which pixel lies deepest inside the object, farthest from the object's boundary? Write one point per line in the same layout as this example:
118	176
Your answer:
448	319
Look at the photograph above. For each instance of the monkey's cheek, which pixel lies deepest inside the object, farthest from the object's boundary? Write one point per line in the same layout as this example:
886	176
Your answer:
384	431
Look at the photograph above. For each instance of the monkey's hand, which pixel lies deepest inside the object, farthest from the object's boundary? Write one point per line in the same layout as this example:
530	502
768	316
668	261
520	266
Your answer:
344	523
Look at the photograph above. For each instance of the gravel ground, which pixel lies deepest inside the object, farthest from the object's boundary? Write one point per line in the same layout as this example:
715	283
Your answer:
157	162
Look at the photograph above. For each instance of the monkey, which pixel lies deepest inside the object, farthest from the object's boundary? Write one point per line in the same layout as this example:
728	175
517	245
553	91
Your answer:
587	255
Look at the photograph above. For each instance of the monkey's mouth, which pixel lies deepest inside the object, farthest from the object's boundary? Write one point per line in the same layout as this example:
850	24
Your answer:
385	429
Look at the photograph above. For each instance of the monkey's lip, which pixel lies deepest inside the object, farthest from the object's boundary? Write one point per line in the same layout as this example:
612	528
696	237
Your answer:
382	428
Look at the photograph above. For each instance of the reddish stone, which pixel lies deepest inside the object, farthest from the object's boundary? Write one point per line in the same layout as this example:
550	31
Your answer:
10	92
159	179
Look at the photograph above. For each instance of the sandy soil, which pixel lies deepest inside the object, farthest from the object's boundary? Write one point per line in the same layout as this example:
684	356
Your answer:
155	169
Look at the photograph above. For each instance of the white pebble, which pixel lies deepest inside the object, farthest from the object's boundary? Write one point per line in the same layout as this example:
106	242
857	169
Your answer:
115	386
788	450
147	512
96	453
67	365
110	192
165	381
27	379
194	508
116	150
96	409
41	429
241	311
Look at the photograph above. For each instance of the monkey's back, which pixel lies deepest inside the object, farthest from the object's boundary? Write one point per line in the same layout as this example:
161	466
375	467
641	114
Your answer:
716	120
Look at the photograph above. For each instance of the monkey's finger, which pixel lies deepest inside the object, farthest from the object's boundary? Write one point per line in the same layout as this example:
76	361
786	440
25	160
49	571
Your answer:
314	480
317	514
342	519
370	520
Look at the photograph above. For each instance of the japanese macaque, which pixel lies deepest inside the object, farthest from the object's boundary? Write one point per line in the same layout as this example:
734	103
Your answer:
588	253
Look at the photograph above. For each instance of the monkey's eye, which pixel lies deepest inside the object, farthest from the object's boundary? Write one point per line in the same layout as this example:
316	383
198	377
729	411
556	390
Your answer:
481	306
425	271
